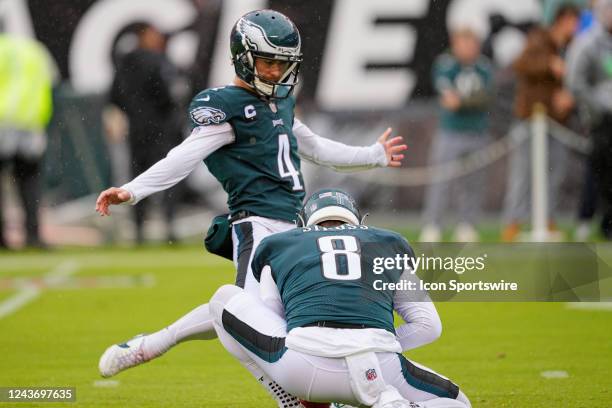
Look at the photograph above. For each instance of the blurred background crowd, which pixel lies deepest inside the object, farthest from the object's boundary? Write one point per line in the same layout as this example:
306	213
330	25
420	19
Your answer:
93	94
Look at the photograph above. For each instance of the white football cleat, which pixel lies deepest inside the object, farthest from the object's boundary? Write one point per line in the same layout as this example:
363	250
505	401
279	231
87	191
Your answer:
430	233
119	357
466	233
583	232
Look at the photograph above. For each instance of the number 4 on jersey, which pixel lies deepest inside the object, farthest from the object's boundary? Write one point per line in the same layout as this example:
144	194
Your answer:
285	165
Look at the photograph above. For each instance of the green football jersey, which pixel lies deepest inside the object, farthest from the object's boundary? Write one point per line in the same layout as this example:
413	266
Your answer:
260	170
472	82
326	274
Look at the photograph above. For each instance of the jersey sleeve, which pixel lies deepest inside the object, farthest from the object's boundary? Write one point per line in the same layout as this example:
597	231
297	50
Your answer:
440	73
402	247
179	162
208	108
323	151
268	292
422	322
259	259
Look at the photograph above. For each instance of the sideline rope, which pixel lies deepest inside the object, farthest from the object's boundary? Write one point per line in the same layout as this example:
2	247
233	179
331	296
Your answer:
418	176
475	161
569	138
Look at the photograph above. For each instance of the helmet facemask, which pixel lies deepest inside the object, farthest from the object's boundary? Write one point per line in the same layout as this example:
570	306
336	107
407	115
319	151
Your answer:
284	86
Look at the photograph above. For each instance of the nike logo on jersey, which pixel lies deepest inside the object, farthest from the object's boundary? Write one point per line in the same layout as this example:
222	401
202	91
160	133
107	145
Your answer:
204	99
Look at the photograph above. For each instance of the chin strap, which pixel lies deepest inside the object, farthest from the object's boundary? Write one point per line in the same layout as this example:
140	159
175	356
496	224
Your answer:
264	89
362	221
300	222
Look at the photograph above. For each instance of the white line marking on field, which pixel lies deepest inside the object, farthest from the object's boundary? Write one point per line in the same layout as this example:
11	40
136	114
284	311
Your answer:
18	300
106	383
605	306
79	282
554	374
28	293
64	269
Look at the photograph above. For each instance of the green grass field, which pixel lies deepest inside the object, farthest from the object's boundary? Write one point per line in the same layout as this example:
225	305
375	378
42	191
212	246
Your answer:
496	352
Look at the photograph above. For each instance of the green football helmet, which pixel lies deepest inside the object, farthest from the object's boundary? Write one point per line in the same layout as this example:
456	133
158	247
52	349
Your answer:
329	204
271	35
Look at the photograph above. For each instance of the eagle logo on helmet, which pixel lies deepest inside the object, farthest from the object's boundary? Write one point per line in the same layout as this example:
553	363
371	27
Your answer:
251	31
206	115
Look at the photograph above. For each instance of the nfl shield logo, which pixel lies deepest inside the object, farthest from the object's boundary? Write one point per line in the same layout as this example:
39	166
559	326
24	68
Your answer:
371	374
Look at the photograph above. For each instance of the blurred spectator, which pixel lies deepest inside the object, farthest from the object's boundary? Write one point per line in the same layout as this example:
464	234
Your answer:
142	88
551	8
463	80
587	204
590	78
540	69
25	110
207	26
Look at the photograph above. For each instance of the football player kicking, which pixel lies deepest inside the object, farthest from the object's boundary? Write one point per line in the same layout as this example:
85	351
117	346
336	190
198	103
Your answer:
249	139
320	329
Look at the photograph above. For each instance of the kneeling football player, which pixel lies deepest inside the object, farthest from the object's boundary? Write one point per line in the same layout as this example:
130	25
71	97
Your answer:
321	331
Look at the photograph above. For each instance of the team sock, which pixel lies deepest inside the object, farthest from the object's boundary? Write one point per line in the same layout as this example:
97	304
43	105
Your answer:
195	325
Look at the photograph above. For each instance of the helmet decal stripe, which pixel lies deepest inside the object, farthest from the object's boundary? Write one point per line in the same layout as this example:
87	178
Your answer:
330	205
